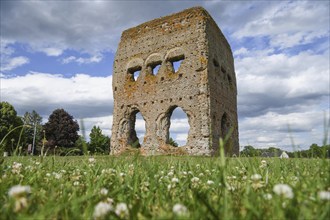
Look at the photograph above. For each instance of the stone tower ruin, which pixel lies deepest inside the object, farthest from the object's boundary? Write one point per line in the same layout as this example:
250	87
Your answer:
204	86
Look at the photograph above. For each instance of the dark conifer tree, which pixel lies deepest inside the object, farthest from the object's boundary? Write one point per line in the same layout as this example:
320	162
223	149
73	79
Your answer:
61	129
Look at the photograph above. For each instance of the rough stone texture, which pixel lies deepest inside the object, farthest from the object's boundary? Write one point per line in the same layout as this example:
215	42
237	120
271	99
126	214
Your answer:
204	86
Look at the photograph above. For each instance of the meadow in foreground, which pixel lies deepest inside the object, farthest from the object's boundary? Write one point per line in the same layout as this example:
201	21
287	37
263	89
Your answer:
163	187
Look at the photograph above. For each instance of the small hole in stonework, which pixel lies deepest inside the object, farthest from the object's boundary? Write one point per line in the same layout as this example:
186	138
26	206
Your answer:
180	75
115	88
152	102
180	99
161	78
161	101
229	79
223	69
215	63
144	103
145	82
190	97
170	100
122	106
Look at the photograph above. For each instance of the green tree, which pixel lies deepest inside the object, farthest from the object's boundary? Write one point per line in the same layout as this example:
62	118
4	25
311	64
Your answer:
249	151
61	129
98	141
172	142
9	121
34	120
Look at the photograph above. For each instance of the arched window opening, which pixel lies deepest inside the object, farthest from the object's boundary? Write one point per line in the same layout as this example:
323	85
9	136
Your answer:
179	128
176	62
225	131
155	67
137	129
134	72
225	126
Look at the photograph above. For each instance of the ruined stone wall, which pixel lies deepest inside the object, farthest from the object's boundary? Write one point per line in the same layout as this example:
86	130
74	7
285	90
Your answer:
182	36
223	90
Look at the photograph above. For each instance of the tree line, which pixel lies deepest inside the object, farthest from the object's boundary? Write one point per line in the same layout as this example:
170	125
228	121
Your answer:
314	151
59	135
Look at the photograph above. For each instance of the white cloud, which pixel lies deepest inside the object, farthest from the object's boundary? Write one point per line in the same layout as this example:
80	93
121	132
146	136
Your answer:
8	61
273	129
82	95
13	63
289	23
104	122
51	51
80	60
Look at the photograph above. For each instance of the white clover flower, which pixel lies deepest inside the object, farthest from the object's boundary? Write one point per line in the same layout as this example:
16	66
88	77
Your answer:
198	166
48	174
102	209
256	177
179	209
268	196
145	186
201	174
16	168
104	192
19	191
29	168
195	180
324	195
122	174
283	190
190	172
122	210
91	160
57	175
170	173
76	183
210	182
231	187
175	180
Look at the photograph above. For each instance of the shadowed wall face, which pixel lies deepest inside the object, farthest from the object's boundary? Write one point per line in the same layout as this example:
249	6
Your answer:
182	60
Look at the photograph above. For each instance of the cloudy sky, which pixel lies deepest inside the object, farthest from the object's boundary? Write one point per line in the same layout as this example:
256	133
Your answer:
59	54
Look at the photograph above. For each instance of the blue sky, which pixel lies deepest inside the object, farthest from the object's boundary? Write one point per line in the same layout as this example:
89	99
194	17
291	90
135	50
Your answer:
59	54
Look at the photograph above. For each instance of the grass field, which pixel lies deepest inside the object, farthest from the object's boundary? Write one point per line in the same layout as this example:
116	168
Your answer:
163	187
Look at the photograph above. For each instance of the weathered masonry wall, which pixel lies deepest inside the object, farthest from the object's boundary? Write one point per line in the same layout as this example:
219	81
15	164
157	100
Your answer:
198	87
